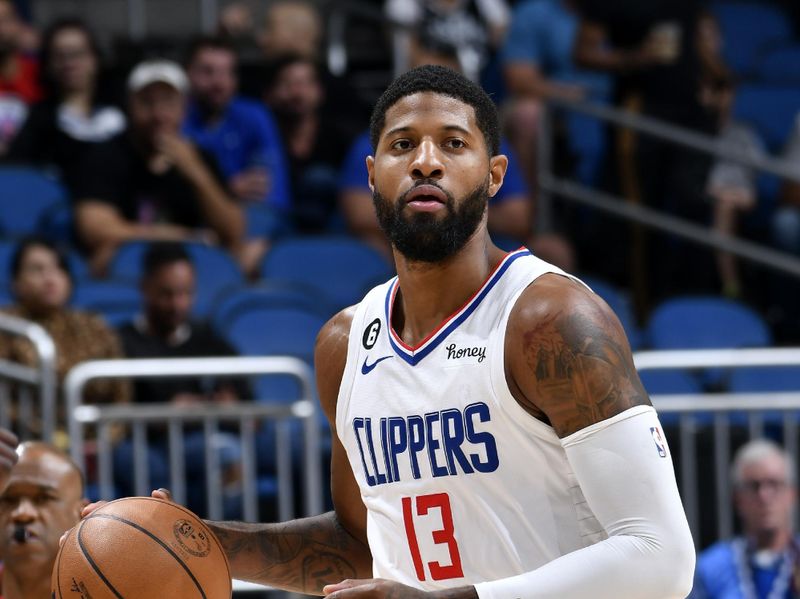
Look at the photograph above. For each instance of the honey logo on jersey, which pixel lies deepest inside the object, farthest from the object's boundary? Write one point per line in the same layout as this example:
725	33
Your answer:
469	354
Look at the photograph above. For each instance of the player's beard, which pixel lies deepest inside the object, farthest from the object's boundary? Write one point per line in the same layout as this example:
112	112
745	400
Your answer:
426	236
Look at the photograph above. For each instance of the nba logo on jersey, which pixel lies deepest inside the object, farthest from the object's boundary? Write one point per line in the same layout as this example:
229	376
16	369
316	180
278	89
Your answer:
660	445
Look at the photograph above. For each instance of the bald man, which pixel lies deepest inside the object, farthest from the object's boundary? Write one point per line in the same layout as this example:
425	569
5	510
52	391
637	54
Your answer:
43	499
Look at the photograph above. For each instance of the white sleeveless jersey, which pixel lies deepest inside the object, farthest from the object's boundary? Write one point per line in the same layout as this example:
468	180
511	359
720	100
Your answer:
461	484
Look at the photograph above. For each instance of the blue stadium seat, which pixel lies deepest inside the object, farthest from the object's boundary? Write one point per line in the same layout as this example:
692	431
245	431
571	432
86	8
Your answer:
669	382
705	323
27	194
116	301
749	29
770	109
767	379
340	268
56	223
620	303
264	295
216	271
5	297
780	66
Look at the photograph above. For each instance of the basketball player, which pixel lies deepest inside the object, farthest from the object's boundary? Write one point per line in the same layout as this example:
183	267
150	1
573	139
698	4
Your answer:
8	455
492	437
43	499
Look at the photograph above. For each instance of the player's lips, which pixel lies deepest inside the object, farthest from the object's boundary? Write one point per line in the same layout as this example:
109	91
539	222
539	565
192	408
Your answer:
426	198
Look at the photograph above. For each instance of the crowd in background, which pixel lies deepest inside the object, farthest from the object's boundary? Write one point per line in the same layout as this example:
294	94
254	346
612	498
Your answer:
245	137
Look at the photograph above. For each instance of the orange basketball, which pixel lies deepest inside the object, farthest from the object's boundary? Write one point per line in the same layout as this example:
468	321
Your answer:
141	548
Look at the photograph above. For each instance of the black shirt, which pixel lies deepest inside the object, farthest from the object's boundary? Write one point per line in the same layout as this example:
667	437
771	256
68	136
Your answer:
200	341
117	173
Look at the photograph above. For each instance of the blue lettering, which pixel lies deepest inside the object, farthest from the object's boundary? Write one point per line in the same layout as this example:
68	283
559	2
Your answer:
453	437
433	444
481	410
398	442
358	426
386	462
416	442
380	476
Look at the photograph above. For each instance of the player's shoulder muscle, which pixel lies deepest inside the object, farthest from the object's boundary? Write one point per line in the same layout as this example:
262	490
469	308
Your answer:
330	357
567	356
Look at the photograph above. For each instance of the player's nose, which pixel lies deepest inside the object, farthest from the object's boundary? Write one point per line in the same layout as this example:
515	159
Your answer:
427	163
24	511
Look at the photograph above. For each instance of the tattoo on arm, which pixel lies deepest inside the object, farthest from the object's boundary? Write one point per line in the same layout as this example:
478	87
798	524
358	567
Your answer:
582	369
300	555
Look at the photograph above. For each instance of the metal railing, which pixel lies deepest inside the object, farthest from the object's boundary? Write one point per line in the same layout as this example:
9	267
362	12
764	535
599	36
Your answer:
719	407
551	185
246	413
39	381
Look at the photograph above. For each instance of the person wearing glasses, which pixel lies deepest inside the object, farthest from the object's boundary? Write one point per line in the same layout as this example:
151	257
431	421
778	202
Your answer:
762	562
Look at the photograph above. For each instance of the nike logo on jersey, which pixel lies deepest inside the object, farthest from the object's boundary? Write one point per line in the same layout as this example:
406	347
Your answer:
367	368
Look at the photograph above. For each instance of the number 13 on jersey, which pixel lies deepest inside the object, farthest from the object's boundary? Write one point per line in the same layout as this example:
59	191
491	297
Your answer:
420	506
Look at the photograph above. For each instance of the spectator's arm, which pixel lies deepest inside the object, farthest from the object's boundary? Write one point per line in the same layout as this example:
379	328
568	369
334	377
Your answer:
270	146
511	217
526	80
220	211
593	51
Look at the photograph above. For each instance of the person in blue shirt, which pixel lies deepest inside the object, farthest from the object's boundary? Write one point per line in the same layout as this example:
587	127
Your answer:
762	563
240	133
509	210
537	65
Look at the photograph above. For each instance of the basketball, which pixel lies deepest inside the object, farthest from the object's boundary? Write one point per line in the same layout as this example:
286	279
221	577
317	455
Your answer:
141	547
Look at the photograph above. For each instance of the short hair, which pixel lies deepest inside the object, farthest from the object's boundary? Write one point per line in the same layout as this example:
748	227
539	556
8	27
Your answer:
755	451
208	42
32	241
447	82
161	254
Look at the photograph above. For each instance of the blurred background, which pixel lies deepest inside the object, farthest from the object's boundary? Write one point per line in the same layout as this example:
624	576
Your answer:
185	179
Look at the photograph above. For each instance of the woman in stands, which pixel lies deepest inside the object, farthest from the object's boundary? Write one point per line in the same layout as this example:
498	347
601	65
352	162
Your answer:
75	112
41	285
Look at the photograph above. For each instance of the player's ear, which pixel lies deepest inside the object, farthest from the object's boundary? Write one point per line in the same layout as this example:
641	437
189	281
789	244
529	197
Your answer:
497	172
371	172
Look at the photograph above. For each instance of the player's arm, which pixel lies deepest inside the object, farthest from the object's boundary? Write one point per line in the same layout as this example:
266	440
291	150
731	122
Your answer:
304	555
568	363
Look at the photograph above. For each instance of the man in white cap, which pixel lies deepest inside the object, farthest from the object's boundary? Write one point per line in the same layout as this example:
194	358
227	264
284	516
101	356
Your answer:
151	183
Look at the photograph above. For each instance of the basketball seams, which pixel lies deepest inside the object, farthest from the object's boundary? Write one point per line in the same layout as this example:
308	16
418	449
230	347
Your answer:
188	513
163	545
92	563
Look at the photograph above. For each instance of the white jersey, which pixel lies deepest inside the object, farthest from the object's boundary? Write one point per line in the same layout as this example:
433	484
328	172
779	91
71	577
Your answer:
460	483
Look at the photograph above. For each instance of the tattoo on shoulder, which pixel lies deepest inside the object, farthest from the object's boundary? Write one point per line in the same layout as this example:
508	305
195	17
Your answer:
582	373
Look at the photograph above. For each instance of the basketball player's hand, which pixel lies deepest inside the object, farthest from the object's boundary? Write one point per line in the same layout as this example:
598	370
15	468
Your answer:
374	588
8	455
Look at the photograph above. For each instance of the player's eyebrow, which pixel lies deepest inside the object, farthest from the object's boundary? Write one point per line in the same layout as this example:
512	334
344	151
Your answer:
407	128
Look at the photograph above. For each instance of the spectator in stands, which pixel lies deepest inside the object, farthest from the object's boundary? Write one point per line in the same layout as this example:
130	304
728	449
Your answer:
165	330
19	76
731	185
538	65
43	500
42	286
292	27
472	28
763	561
76	111
315	143
240	133
151	182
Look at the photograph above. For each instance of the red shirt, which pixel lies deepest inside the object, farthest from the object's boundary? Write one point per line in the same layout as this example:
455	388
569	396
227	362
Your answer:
25	83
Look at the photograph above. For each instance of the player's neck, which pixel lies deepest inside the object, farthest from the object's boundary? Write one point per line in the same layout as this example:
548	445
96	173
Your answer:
429	293
29	585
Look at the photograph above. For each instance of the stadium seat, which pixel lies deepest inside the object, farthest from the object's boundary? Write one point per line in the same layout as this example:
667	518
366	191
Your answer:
770	109
620	304
116	301
339	268
56	224
749	29
265	295
705	323
766	379
669	382
27	194
216	271
780	66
